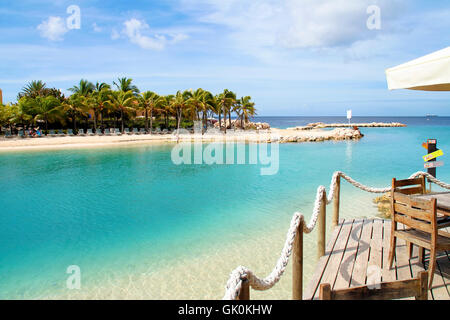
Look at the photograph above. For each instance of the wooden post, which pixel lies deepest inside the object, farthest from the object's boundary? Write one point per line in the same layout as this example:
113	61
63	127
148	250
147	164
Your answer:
337	196
245	290
325	291
322	227
297	265
423	279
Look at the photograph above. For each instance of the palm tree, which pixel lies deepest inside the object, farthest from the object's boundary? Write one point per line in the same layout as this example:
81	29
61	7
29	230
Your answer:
247	109
164	107
179	103
33	89
125	85
100	97
199	101
44	108
147	102
84	88
123	102
99	86
74	106
226	101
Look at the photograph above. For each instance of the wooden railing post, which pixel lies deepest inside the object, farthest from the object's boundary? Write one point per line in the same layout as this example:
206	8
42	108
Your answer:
244	294
322	227
297	265
337	195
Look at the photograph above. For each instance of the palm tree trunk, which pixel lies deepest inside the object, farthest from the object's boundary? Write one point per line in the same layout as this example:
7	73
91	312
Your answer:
179	120
121	122
225	120
95	121
151	121
101	114
146	120
46	124
229	117
220	120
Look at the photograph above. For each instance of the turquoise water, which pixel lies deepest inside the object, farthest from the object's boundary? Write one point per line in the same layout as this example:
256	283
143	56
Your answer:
130	210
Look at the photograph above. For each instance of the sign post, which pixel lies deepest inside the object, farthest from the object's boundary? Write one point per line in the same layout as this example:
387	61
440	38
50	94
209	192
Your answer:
430	159
349	116
431	144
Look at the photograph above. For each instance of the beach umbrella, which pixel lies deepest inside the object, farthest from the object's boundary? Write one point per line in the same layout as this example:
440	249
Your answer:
428	73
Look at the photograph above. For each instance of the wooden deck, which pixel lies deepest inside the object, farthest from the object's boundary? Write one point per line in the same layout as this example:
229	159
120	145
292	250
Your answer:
357	254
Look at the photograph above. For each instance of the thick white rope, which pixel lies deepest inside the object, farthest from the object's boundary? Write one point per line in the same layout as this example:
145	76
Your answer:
234	282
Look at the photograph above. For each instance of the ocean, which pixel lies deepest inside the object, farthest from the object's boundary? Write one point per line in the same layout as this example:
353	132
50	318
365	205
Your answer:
139	226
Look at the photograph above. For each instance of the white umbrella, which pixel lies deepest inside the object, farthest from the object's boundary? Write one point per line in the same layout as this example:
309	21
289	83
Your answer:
428	73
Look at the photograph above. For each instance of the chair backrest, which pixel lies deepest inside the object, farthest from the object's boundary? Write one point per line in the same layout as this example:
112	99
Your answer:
410	186
417	287
414	213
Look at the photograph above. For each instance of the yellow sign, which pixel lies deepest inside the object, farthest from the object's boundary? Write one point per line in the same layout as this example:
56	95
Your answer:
433	155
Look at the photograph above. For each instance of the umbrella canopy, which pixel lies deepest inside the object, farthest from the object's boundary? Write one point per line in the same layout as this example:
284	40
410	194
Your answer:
428	73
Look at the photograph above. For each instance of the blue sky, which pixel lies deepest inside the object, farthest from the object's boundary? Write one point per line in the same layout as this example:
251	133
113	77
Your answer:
294	57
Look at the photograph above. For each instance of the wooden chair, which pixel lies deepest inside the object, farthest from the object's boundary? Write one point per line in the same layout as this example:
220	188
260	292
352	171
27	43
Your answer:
410	186
417	287
414	187
420	220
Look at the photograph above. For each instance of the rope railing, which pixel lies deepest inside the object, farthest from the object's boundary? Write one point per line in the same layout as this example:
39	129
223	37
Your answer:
242	274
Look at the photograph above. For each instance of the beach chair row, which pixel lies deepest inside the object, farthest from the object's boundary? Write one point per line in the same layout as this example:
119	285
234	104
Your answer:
90	132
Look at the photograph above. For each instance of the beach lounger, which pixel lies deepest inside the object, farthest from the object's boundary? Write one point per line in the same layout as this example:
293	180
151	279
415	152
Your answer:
51	133
165	131
127	130
142	131
69	132
81	132
108	132
117	132
135	131
89	132
21	134
8	134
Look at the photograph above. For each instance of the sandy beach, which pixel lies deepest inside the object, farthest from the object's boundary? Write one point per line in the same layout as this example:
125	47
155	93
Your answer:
269	136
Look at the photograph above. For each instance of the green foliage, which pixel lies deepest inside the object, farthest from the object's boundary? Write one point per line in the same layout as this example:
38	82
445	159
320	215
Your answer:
92	104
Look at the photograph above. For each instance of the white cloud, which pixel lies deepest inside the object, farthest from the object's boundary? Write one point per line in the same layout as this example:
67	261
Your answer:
295	23
53	28
135	30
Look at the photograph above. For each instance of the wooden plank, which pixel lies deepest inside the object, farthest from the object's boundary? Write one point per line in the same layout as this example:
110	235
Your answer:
439	288
416	266
374	270
385	291
321	264
443	199
348	261
402	258
362	256
331	270
386	273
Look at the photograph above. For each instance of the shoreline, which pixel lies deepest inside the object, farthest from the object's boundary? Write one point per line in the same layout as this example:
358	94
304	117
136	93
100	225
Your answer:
250	136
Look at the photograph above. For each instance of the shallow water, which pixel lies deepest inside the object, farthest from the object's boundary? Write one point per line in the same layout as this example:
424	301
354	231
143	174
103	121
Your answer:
139	226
